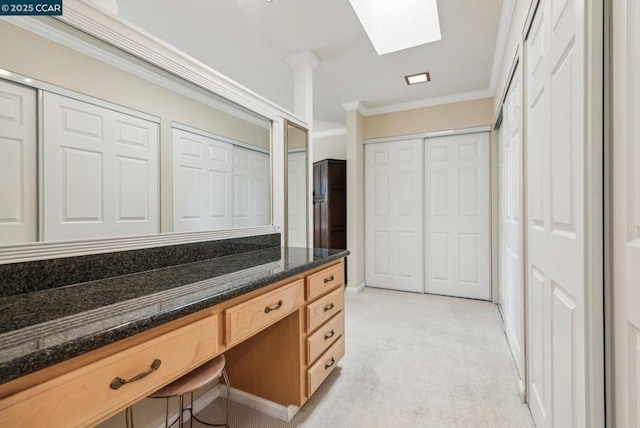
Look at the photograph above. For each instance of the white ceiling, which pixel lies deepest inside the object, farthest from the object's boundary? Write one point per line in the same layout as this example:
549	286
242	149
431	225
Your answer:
250	40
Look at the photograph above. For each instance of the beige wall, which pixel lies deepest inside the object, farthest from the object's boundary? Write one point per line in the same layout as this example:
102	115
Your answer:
355	198
36	57
333	147
466	114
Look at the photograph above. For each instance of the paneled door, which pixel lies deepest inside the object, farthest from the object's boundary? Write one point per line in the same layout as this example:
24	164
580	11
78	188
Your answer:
511	280
100	171
251	188
555	187
297	205
202	182
393	215
457	216
18	164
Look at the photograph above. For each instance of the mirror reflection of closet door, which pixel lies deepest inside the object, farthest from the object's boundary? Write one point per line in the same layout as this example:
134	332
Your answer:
296	180
18	164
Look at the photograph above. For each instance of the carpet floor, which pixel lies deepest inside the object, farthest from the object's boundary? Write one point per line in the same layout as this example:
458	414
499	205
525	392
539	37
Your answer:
411	361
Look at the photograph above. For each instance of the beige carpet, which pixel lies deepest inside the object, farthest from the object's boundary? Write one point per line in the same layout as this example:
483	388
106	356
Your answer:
411	361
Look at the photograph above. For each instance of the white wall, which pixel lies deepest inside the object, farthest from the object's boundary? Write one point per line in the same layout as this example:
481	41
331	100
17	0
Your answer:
331	147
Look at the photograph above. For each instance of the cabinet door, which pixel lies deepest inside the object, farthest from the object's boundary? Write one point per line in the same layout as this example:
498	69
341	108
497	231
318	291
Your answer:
100	171
393	215
202	182
18	164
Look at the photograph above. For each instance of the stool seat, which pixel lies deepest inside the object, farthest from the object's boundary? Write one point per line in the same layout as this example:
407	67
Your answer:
193	380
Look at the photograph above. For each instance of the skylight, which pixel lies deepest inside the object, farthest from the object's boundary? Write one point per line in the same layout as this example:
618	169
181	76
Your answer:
394	25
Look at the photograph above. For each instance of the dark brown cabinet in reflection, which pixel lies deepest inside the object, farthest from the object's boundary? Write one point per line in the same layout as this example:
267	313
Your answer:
330	204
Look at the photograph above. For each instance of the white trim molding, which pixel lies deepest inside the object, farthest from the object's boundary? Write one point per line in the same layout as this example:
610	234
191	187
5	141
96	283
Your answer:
427	102
355	290
269	408
330	133
460	131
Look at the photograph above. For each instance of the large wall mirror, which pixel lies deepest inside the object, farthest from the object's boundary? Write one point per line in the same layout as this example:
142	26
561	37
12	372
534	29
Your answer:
297	206
102	144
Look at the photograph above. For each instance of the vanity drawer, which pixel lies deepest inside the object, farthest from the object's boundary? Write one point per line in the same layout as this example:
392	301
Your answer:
326	335
318	372
324	308
85	397
325	280
245	319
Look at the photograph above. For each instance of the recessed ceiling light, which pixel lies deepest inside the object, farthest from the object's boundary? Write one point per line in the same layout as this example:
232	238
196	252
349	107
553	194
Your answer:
394	25
418	78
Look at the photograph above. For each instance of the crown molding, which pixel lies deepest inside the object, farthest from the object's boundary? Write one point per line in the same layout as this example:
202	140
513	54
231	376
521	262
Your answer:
330	133
354	105
428	102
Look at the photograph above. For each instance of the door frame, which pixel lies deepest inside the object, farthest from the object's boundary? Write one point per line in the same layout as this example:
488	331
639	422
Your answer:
594	206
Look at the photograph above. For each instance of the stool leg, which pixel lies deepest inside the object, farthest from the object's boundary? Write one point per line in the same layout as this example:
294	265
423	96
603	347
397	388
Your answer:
226	382
192	413
128	417
166	413
181	410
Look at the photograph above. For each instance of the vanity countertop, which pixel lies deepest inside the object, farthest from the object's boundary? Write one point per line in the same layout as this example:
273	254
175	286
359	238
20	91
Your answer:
42	328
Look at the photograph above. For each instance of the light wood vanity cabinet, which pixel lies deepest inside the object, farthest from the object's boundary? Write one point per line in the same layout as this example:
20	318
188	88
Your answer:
92	393
278	346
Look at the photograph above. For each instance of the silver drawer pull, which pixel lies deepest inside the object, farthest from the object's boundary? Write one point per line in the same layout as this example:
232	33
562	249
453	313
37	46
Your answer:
330	364
330	334
118	382
273	308
328	307
329	279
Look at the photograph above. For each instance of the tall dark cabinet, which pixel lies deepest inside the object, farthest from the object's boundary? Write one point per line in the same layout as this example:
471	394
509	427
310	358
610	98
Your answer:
330	204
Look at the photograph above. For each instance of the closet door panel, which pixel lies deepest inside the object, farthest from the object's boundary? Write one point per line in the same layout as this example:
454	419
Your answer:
251	188
202	181
457	220
100	171
18	164
393	201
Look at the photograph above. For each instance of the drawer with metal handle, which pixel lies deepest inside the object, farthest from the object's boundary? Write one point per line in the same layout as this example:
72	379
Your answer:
324	308
325	280
324	337
245	319
94	392
317	373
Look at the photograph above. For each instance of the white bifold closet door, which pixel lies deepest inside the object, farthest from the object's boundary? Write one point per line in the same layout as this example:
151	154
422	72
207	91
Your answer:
202	182
556	244
18	164
510	172
251	188
393	211
100	173
457	216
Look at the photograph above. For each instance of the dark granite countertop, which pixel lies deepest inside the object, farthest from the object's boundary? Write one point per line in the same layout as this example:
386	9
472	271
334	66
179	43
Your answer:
42	328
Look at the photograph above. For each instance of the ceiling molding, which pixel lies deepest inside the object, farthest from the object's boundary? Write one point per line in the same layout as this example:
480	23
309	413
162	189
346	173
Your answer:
354	105
506	16
330	133
427	102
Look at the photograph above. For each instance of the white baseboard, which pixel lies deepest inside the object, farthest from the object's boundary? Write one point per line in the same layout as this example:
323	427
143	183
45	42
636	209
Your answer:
357	289
201	402
278	411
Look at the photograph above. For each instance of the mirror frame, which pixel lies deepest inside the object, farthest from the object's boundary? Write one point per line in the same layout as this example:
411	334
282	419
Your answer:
109	28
